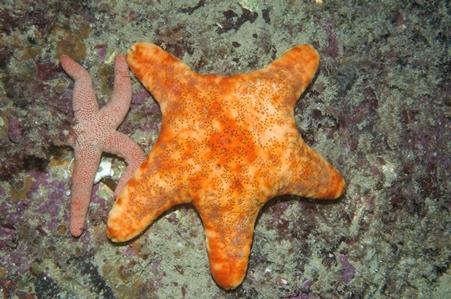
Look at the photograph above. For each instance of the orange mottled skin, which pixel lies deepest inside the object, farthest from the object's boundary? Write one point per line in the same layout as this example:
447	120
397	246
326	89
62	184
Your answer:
227	145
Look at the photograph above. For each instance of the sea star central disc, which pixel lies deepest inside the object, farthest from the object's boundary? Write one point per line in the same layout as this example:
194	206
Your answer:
227	145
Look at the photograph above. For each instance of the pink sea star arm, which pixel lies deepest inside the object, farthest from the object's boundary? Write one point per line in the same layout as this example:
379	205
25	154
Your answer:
85	167
117	107
123	146
84	100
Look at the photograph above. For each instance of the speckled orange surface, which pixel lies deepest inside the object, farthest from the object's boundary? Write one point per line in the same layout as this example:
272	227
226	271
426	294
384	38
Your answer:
227	145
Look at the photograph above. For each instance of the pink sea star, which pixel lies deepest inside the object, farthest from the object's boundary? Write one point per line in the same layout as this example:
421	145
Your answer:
95	132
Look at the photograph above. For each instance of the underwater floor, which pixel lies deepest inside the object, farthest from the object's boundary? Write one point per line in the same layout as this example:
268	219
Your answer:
378	109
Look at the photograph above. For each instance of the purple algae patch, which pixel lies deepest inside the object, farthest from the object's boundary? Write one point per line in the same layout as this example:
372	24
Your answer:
332	47
298	296
52	205
101	52
348	270
140	96
12	212
39	178
47	71
18	259
15	129
54	200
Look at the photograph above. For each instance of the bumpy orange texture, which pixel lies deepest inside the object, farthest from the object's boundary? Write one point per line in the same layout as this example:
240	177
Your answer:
227	145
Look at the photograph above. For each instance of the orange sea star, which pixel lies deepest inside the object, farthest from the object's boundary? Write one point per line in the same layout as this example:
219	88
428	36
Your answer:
227	145
95	132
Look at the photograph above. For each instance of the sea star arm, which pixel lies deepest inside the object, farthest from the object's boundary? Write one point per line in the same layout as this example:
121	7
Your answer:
117	107
312	176
229	239
296	68
163	74
85	167
84	100
149	193
123	146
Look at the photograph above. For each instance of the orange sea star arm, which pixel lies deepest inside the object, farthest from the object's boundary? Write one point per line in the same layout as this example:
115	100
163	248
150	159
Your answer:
163	74
150	192
296	68
313	176
229	238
